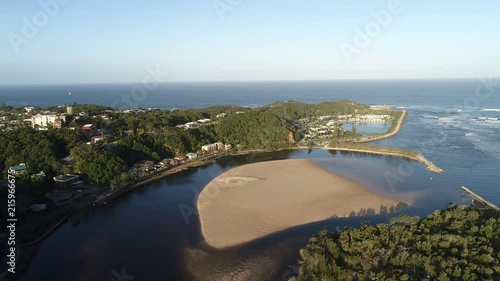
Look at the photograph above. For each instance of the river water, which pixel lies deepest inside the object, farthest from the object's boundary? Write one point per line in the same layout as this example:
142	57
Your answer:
153	232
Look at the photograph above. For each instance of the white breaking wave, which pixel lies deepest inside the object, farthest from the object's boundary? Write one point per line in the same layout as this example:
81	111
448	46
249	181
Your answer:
492	109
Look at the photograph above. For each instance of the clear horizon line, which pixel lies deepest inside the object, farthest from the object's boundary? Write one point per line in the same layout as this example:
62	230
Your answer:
247	81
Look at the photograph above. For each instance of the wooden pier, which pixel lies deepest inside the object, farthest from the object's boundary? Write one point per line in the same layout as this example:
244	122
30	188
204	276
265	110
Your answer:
479	198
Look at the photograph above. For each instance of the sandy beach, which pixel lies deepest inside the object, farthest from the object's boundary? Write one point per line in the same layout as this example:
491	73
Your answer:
255	200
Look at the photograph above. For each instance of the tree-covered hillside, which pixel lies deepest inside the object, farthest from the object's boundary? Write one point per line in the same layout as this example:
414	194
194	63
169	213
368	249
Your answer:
459	243
39	150
294	110
152	135
257	130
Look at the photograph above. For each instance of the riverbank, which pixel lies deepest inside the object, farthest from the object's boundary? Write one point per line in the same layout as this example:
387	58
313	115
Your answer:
213	157
429	165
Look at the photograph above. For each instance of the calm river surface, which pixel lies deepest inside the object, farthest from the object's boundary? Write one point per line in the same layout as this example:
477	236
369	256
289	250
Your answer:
153	232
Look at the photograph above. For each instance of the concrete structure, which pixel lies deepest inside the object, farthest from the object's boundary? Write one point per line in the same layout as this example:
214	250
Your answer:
87	127
219	146
68	181
228	146
44	120
97	139
40	175
180	158
69	110
209	147
479	198
192	155
144	166
19	169
171	162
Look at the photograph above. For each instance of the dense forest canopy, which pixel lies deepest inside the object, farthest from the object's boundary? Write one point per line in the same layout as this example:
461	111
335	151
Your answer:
460	243
257	130
294	110
39	150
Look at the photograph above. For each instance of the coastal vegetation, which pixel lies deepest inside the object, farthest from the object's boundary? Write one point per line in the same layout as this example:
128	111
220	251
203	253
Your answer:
257	130
294	110
460	243
154	134
39	150
98	164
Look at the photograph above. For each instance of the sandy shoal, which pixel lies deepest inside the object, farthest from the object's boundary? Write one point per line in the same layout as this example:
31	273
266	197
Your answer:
255	200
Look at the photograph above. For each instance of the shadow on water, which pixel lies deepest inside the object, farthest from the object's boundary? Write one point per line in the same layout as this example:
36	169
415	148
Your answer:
145	231
272	258
275	257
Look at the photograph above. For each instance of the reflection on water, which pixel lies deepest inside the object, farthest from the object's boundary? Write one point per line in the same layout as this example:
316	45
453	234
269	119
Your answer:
367	128
146	232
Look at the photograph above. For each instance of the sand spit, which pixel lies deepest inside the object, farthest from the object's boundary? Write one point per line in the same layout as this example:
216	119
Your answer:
255	200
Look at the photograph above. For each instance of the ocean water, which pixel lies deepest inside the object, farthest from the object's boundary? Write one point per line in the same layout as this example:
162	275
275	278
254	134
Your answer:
146	233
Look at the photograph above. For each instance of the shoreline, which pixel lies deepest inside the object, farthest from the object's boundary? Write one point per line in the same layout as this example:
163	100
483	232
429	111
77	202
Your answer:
128	187
387	135
212	158
255	200
429	165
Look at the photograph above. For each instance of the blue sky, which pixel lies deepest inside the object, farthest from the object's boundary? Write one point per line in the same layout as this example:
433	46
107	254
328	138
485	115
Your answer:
87	41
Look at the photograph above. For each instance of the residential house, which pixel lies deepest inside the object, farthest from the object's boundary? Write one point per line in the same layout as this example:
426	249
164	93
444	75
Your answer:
219	146
97	139
173	162
58	123
19	169
204	121
180	158
87	127
68	181
192	155
209	147
38	176
190	125
44	120
144	166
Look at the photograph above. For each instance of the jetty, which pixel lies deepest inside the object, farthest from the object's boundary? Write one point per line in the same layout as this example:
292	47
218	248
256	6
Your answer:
479	198
389	134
